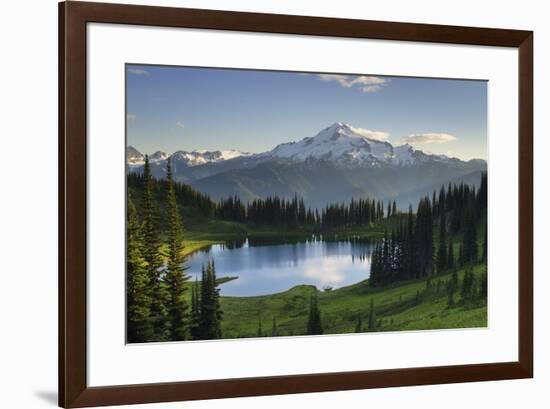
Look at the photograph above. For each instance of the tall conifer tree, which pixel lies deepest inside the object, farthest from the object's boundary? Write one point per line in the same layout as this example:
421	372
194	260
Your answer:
151	254
314	324
442	250
175	275
372	316
138	300
195	311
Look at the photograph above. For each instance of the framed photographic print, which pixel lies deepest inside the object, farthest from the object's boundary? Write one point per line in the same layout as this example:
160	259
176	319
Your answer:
257	204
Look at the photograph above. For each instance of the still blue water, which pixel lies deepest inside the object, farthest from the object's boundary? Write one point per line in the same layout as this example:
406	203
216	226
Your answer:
267	269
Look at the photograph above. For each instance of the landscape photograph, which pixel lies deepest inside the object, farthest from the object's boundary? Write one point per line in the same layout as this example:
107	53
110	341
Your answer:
277	204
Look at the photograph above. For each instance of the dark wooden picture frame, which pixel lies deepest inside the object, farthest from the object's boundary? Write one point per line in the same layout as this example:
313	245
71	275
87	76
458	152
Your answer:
73	388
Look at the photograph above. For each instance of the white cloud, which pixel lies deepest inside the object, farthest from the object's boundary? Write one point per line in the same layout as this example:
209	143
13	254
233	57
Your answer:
365	83
428	138
131	117
138	71
180	124
376	135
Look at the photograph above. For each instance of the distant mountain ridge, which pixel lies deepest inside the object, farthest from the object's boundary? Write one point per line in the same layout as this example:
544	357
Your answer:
338	163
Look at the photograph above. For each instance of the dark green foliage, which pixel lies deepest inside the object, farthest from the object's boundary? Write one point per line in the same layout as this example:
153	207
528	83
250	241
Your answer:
417	298
175	276
156	287
483	286
168	315
293	213
260	332
423	236
451	300
194	326
452	287
469	245
138	300
184	193
406	253
371	325
359	325
314	324
468	290
442	262
274	330
461	259
210	310
451	263
484	255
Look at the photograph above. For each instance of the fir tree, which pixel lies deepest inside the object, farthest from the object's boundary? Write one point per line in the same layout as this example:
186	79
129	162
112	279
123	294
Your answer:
451	265
210	310
371	324
468	286
451	299
314	324
195	311
483	286
175	271
417	298
157	287
442	250
139	323
469	246
452	287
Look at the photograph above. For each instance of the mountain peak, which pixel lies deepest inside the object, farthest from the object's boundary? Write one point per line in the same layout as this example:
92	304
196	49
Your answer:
341	143
158	156
339	125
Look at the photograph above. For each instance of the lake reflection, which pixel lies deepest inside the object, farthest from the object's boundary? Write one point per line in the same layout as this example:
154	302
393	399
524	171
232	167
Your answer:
267	269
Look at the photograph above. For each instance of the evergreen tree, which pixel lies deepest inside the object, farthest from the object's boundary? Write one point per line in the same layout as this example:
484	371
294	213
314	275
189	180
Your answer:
417	298
314	324
195	311
483	286
468	286
442	250
372	316
210	310
461	260
157	287
452	287
423	239
175	276
469	246
451	299
451	265
138	300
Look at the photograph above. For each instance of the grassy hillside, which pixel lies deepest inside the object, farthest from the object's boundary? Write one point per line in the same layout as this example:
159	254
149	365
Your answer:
411	305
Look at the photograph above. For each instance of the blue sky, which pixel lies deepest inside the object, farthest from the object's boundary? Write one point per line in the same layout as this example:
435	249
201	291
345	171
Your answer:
182	108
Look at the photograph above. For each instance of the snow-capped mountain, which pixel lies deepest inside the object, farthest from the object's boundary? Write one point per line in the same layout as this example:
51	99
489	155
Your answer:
202	157
136	159
133	156
340	143
338	163
345	145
